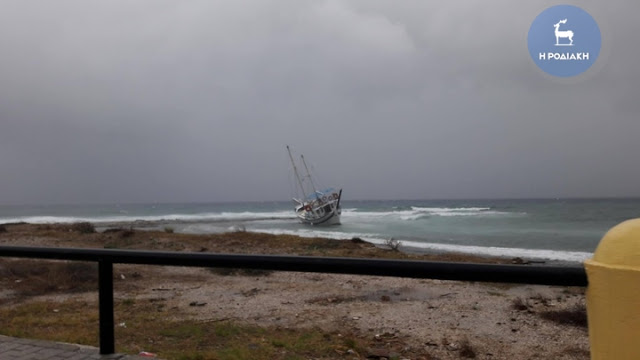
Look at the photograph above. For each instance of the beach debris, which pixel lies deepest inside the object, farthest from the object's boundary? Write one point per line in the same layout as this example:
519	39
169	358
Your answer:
393	244
123	325
236	228
196	303
452	346
252	292
346	351
146	354
122	276
387	336
215	320
521	261
447	294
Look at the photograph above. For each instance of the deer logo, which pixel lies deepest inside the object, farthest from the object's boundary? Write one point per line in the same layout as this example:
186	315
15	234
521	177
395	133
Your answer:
566	56
565	34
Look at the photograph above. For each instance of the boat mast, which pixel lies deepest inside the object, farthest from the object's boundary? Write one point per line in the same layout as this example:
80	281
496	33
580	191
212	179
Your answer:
315	192
295	170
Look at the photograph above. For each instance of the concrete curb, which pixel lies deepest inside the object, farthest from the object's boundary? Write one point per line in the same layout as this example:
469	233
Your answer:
29	349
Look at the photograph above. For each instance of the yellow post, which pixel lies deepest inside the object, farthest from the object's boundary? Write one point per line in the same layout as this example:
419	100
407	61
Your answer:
613	295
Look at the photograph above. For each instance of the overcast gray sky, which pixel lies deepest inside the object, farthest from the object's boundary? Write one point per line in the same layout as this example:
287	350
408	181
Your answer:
170	101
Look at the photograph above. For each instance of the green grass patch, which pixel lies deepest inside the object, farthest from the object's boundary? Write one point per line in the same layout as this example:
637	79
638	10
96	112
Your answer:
142	326
69	322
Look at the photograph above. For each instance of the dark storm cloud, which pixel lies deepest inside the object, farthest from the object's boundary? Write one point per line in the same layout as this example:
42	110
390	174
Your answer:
194	101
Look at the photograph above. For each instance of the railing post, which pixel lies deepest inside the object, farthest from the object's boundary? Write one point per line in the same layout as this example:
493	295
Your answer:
105	280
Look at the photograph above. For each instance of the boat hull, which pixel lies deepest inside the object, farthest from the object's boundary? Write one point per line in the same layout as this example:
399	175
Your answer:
332	218
325	210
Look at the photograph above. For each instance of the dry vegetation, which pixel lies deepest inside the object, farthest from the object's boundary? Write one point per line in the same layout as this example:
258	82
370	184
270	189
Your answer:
543	307
40	277
576	316
84	235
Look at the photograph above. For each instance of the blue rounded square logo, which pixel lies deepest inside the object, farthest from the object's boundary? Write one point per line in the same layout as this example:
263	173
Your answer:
564	40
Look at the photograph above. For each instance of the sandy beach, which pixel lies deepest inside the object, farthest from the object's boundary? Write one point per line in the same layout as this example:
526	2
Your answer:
392	318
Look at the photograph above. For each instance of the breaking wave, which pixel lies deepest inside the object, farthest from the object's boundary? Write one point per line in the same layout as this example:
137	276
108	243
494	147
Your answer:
415	213
204	217
553	255
410	213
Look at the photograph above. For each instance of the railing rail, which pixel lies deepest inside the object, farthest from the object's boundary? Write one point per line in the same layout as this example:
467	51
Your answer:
524	274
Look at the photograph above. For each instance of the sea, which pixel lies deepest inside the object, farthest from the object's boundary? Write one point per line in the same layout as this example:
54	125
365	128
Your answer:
565	230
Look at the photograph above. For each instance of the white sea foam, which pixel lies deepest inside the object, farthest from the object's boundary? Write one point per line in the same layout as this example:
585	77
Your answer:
44	219
463	211
313	232
213	217
376	214
425	212
439	209
573	256
554	255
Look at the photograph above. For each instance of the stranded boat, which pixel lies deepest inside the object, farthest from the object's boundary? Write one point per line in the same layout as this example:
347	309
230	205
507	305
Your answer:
315	207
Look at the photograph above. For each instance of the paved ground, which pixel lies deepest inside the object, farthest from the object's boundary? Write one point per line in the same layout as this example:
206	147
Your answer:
26	349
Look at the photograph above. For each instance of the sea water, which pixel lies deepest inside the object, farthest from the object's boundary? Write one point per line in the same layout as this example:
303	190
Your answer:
558	229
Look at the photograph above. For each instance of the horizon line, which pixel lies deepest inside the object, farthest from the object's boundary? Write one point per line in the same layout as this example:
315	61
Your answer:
631	197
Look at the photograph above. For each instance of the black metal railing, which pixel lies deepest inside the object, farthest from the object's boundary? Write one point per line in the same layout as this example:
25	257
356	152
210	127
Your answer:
524	274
